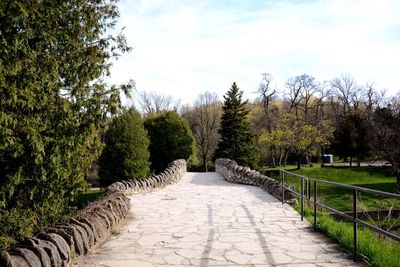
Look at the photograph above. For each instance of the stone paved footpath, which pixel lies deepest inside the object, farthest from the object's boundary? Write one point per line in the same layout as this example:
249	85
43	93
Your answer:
205	221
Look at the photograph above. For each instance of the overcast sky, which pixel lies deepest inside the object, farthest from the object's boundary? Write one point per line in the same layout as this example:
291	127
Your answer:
184	47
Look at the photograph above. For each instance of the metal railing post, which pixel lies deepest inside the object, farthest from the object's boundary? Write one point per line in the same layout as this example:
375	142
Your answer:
283	187
302	198
355	241
315	204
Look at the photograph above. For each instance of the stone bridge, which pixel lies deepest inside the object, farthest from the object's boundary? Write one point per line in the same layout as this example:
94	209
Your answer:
205	221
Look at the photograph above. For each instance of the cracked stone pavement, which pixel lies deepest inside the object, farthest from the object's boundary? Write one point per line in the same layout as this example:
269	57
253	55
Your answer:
205	221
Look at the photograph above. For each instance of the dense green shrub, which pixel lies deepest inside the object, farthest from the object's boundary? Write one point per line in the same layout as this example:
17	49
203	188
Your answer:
16	224
53	104
126	154
170	139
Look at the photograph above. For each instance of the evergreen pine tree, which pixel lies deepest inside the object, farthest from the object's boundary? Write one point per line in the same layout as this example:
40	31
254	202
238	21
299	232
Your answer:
236	138
55	57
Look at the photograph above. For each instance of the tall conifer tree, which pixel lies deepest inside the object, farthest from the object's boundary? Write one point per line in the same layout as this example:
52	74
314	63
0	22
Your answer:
55	57
236	138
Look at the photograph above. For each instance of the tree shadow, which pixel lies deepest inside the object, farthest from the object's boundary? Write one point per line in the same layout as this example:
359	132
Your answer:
205	256
261	239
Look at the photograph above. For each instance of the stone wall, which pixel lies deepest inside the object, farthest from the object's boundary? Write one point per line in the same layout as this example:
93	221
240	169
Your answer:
234	173
172	174
57	246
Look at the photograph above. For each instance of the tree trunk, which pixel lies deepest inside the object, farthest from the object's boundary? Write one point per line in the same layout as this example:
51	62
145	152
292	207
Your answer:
273	162
358	161
286	155
398	183
308	158
351	160
205	163
280	158
298	162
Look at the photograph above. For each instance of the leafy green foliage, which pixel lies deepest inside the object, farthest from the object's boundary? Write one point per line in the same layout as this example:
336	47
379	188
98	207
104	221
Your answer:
16	224
170	139
126	154
236	141
53	104
296	136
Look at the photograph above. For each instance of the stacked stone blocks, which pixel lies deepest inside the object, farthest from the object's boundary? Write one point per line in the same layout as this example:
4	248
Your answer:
234	173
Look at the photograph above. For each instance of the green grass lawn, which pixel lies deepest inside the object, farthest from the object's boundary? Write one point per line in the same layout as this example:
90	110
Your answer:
361	176
357	175
341	198
373	249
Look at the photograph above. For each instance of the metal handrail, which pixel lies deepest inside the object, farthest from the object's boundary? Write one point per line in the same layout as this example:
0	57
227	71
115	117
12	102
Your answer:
295	174
353	218
361	189
301	194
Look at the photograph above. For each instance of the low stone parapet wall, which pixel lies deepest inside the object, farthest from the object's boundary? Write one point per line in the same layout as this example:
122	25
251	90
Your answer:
57	246
234	173
172	174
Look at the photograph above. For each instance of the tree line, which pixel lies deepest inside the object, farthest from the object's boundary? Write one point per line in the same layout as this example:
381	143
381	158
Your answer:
299	122
302	121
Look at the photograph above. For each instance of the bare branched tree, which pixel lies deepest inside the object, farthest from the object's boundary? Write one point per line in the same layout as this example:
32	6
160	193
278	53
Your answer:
346	90
373	99
152	103
321	97
295	87
204	119
307	101
301	95
267	93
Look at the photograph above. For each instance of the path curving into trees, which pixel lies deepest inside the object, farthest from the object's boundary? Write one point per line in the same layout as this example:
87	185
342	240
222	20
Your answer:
206	221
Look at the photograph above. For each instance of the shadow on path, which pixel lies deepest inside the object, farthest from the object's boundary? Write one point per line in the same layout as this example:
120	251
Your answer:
206	253
261	239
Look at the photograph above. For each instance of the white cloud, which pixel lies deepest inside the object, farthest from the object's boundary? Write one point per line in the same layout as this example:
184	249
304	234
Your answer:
183	48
